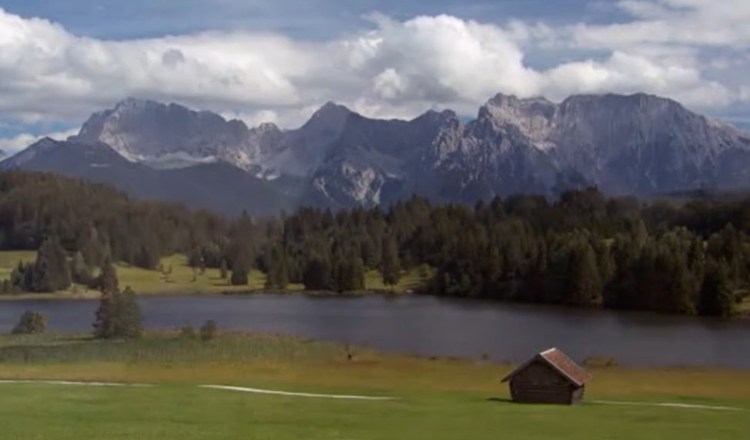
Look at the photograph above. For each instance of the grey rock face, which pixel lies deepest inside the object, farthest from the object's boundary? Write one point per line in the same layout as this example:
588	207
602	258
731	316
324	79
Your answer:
148	131
637	144
641	144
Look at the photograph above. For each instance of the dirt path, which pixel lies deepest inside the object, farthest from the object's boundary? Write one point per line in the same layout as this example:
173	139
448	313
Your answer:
671	405
287	393
348	397
78	383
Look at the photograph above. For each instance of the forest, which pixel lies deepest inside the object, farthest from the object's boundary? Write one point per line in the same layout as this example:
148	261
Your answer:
583	249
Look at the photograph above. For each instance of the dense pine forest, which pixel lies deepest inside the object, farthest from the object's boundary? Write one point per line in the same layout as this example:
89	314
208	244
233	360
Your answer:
583	249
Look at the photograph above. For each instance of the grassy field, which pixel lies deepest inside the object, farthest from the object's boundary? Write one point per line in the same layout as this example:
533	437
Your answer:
9	260
184	280
438	399
409	280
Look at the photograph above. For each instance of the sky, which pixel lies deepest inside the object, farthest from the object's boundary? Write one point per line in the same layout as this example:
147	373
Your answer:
277	61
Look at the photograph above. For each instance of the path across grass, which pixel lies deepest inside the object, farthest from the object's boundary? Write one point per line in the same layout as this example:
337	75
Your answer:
187	412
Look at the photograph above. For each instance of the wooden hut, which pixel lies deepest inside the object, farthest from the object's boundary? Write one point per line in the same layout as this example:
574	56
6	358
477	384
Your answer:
548	377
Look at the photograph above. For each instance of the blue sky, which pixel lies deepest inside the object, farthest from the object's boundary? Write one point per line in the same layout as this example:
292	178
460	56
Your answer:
278	60
306	19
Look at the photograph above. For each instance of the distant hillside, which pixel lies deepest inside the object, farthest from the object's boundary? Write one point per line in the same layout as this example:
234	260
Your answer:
217	186
94	219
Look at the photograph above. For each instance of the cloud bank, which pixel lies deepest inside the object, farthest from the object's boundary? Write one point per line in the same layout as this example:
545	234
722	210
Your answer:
690	50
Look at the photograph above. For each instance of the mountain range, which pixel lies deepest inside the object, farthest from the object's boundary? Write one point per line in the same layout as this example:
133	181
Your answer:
638	144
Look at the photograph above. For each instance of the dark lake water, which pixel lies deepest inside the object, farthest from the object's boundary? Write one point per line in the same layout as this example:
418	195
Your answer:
437	327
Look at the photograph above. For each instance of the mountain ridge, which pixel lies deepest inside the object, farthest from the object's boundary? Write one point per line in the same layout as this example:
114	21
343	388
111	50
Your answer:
635	144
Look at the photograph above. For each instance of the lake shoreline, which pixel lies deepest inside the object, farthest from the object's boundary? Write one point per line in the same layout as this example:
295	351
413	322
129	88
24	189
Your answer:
432	326
346	353
91	295
95	295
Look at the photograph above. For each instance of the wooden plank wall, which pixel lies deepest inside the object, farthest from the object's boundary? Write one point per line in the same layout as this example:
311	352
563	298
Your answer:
540	383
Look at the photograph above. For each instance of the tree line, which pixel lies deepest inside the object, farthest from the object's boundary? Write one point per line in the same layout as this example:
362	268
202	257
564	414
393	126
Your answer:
583	249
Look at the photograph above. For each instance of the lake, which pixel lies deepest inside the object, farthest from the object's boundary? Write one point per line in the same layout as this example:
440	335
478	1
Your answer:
431	326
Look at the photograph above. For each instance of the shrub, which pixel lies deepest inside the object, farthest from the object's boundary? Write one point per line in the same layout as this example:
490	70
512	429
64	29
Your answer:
118	316
209	330
600	362
239	278
188	332
30	323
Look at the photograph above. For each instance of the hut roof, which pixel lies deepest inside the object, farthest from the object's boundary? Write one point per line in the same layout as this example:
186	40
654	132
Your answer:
560	362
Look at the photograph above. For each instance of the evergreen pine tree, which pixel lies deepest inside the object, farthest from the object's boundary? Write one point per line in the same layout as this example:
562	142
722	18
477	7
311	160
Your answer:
348	274
240	271
674	288
20	277
80	271
223	269
108	281
584	286
716	296
317	275
239	277
51	271
118	315
127	315
391	265
147	256
92	249
278	275
358	274
104	320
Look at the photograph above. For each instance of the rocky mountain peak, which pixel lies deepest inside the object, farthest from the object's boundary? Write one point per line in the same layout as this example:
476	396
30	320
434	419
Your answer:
533	117
136	104
331	117
639	105
626	144
267	127
511	107
436	117
146	131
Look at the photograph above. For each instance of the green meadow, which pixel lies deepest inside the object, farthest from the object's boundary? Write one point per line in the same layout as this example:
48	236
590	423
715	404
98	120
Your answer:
436	398
179	278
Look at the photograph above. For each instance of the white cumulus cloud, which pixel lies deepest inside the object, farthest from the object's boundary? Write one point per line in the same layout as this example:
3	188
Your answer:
390	68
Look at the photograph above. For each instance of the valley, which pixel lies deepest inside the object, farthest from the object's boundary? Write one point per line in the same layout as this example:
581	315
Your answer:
367	220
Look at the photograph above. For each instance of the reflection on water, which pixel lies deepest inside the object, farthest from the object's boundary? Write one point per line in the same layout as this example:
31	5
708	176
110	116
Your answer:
438	327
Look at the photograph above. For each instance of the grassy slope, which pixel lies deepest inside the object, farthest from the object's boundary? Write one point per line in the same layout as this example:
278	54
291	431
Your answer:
409	280
440	399
9	260
182	280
